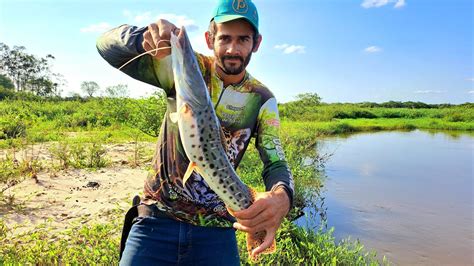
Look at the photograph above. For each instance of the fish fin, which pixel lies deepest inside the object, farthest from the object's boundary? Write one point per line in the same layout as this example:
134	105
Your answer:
230	211
174	117
253	194
198	170
189	172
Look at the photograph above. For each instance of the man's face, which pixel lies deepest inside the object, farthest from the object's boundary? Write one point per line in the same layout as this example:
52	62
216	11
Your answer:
233	46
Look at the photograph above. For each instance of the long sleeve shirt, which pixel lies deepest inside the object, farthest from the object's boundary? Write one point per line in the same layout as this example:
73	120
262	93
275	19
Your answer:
245	110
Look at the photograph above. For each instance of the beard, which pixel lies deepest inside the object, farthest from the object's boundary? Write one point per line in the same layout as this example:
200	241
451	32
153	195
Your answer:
233	68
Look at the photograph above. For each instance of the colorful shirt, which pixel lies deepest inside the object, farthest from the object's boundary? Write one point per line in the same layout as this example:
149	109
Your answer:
245	110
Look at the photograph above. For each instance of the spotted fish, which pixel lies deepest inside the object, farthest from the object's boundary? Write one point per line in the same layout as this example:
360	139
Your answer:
200	134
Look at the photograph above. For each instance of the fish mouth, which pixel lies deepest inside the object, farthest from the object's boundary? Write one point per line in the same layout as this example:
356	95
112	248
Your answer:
176	31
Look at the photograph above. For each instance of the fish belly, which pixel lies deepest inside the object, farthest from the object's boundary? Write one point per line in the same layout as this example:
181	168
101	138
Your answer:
201	140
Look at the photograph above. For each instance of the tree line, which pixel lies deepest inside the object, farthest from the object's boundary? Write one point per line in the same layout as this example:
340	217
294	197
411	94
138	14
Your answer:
313	99
21	71
91	89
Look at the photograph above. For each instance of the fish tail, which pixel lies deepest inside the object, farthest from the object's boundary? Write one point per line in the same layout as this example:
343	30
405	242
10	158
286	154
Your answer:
256	239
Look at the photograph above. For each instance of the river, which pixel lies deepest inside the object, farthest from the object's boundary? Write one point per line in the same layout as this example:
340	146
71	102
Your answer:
406	195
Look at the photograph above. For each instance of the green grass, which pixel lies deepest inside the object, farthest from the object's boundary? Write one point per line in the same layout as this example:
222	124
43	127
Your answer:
297	246
79	244
118	120
347	118
99	244
347	126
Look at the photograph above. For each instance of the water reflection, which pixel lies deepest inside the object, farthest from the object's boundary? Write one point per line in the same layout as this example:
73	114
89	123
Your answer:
408	195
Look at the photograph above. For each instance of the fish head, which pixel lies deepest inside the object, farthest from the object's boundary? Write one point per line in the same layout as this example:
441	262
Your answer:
191	90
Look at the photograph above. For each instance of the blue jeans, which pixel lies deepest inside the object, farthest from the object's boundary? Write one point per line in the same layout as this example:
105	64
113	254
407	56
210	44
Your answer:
164	241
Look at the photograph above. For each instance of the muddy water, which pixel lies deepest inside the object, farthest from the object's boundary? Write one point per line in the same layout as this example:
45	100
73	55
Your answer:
407	195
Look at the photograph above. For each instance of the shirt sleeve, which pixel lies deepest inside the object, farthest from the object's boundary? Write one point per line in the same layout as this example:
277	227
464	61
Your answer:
120	45
276	171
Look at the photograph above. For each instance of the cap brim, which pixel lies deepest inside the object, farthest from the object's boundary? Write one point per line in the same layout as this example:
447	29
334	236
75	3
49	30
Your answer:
227	18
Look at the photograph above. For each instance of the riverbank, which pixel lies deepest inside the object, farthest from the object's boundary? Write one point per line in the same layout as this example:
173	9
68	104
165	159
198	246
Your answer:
349	126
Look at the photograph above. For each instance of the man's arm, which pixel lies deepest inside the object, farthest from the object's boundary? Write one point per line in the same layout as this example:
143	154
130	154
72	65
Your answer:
120	45
269	208
276	172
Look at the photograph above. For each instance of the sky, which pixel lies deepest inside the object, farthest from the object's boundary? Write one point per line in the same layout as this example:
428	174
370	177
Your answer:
343	50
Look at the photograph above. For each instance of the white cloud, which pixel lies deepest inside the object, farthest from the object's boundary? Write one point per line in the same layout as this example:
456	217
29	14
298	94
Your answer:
143	18
470	92
127	13
146	18
281	46
180	20
374	3
138	18
399	4
428	92
367	169
100	27
199	44
373	49
380	3
290	49
470	79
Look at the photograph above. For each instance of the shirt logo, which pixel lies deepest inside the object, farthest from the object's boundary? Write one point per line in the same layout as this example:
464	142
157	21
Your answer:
273	122
240	6
235	108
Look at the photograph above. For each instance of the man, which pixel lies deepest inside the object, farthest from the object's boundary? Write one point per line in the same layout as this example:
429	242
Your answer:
189	224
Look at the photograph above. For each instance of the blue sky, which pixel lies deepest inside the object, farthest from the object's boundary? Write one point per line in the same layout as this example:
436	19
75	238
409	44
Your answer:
344	50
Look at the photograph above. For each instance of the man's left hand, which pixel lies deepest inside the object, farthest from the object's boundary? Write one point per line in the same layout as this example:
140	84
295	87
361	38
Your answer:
265	214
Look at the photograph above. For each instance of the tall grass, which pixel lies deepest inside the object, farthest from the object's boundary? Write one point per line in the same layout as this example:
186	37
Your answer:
460	117
79	244
41	120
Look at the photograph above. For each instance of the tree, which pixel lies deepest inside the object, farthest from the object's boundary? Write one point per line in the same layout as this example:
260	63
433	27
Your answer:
309	98
6	82
43	86
90	87
27	72
117	91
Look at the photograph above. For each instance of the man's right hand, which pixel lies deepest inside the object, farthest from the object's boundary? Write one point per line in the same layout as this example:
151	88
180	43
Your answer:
158	36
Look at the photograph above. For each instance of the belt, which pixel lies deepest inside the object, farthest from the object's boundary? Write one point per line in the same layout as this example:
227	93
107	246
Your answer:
150	211
138	210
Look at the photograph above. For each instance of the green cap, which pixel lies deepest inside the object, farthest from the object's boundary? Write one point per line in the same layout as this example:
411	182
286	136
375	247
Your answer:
228	10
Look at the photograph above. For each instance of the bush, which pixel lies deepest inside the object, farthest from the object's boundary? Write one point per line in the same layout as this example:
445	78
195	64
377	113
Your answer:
80	155
147	114
12	127
299	246
6	93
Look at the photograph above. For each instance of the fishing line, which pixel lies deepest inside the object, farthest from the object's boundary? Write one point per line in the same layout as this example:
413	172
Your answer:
152	52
